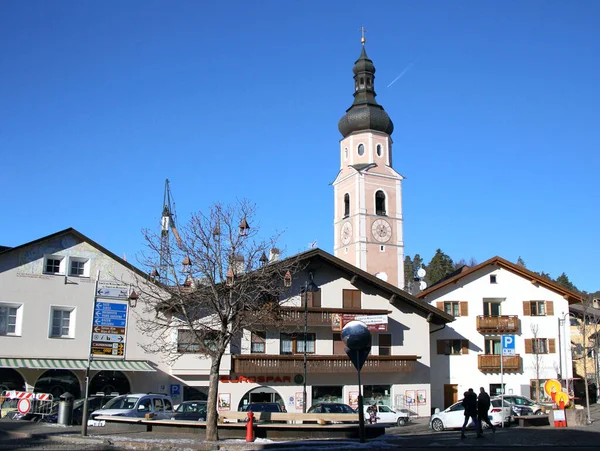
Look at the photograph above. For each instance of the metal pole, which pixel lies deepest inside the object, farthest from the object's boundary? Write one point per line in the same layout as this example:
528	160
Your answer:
84	414
559	353
305	333
502	382
361	413
566	339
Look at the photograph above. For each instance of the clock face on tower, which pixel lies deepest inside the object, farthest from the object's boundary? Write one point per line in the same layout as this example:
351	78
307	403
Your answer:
346	233
381	230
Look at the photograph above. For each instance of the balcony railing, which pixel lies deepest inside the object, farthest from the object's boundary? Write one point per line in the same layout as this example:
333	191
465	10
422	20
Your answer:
497	324
491	363
293	364
293	316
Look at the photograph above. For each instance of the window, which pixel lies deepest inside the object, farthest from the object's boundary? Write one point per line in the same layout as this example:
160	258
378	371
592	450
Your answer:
491	308
346	153
492	346
79	267
493	278
294	344
496	389
351	299
380	203
188	341
258	343
452	347
538	308
54	264
379	151
382	248
540	346
62	322
534	392
346	205
361	150
385	344
452	308
10	319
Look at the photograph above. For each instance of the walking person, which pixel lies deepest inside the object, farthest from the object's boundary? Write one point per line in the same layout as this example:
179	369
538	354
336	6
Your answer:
470	404
483	407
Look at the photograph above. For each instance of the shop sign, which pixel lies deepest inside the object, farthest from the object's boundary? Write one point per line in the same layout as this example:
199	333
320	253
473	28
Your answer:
256	379
375	323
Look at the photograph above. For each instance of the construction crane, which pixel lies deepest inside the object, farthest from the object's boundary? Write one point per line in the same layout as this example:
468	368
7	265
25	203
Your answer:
167	223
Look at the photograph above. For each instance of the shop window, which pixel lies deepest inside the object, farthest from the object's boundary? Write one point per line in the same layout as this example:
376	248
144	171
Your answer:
351	299
294	344
258	343
385	344
537	392
327	393
377	394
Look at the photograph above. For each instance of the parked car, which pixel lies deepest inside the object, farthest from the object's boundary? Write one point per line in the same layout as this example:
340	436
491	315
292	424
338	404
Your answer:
454	416
264	407
332	407
190	410
386	415
522	401
136	405
95	402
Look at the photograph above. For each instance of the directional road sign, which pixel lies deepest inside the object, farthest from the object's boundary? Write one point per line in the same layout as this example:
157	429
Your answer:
112	290
110	326
508	345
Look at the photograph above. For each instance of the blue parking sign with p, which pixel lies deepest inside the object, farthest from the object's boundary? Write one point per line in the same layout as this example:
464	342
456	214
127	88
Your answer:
175	390
508	345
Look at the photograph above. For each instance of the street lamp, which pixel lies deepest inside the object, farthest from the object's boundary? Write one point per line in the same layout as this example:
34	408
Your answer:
309	287
567	345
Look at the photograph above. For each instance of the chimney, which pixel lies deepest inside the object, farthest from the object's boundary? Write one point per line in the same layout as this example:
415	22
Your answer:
273	255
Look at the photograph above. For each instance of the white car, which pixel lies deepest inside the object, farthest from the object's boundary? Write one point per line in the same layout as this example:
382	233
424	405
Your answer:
454	416
387	415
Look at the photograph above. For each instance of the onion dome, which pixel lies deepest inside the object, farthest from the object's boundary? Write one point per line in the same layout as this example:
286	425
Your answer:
365	113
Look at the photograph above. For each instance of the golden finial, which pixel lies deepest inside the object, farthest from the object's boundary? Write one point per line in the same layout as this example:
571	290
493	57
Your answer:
362	38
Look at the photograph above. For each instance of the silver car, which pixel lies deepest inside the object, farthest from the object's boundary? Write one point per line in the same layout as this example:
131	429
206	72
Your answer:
136	405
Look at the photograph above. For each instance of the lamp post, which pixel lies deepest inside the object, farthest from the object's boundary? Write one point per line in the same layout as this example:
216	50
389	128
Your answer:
309	287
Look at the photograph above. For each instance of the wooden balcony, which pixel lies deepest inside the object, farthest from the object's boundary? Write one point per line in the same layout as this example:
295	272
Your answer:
294	316
293	364
491	363
497	324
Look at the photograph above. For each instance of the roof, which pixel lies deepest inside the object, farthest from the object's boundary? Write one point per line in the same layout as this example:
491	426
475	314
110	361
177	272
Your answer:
580	309
395	293
571	296
4	248
82	237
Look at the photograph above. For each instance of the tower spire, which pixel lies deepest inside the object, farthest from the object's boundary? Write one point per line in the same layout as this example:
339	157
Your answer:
362	38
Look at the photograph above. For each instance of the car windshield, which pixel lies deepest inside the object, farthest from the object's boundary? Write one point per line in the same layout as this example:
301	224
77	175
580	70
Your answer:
124	403
191	407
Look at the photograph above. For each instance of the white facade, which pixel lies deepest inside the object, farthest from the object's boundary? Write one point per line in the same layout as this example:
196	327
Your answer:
49	284
497	295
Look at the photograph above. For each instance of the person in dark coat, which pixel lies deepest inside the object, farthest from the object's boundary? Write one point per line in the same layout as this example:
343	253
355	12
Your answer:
483	407
470	404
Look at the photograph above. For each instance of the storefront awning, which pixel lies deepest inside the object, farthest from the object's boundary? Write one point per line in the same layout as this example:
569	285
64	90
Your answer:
72	364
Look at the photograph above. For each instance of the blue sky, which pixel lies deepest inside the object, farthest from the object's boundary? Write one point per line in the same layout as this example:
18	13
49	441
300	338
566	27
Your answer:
496	119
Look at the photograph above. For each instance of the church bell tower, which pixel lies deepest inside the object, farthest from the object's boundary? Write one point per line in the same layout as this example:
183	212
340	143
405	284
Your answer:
367	190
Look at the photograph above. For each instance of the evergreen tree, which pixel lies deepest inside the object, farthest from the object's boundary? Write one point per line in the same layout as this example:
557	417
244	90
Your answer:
563	280
409	271
439	266
520	262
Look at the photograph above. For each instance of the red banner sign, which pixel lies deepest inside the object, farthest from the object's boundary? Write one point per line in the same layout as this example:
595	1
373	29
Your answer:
375	323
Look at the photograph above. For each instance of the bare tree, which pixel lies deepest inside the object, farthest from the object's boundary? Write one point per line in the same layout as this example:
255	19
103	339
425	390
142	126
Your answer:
537	359
219	283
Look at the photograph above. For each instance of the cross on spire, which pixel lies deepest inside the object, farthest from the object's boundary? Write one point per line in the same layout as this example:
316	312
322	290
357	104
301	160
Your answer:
362	38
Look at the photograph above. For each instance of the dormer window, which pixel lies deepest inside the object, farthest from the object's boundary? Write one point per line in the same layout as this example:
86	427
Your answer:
361	150
380	203
346	205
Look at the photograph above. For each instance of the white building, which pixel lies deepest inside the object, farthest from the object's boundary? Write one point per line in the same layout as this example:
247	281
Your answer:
489	300
47	291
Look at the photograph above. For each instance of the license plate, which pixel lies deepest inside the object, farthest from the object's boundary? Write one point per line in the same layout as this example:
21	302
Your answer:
96	423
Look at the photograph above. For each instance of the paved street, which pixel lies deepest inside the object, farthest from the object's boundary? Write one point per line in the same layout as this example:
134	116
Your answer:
17	435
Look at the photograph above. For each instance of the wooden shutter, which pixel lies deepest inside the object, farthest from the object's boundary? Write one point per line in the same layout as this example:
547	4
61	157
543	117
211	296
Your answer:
528	346
549	308
551	346
441	346
338	345
465	346
385	344
464	309
314	299
527	308
351	299
440	305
